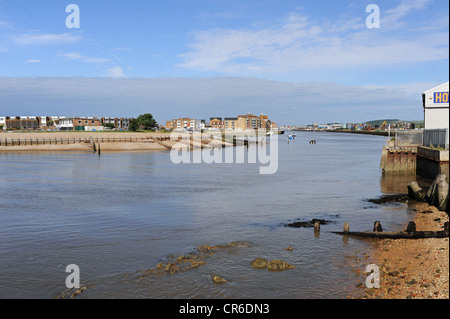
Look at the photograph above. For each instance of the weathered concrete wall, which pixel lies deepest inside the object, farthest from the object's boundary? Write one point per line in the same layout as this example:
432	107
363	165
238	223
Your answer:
430	169
433	153
398	161
432	162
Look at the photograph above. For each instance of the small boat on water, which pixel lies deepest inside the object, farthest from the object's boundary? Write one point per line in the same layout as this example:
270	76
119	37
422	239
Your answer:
312	142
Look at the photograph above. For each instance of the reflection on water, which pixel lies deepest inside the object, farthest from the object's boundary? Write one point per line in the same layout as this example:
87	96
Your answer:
397	183
123	213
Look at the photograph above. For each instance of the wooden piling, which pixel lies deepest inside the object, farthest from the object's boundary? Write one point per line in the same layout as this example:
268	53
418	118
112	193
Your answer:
317	226
411	228
377	227
346	228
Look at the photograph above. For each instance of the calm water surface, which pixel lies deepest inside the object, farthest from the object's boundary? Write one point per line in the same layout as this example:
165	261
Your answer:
122	213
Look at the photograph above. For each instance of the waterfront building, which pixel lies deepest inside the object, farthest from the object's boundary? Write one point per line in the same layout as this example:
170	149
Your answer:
435	107
120	123
433	154
42	121
241	122
217	123
63	123
336	126
248	121
185	124
25	122
273	125
230	123
79	124
57	118
21	122
263	121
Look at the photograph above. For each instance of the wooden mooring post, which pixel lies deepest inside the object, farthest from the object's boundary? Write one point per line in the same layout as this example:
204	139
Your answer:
377	227
317	226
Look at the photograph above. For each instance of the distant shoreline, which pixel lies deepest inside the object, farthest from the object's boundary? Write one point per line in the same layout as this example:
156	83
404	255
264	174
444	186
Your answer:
380	133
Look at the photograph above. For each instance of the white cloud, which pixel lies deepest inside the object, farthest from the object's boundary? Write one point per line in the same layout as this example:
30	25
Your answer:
78	56
115	72
5	24
299	44
33	61
71	55
121	49
393	15
95	60
45	39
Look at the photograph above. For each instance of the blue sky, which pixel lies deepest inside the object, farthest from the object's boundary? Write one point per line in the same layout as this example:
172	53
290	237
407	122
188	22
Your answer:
298	61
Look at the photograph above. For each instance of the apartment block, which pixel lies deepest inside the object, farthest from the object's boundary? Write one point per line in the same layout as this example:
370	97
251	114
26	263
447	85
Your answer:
241	122
217	123
185	123
79	124
248	121
63	123
230	123
21	122
119	123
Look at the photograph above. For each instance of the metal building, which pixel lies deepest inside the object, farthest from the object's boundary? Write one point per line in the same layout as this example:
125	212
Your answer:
435	106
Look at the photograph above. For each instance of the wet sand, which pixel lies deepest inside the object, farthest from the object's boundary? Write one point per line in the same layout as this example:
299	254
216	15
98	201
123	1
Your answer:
414	268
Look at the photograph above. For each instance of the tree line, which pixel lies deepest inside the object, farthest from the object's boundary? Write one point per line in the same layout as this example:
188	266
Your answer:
144	122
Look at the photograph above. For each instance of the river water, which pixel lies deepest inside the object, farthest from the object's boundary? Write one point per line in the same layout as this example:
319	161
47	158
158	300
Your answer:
122	213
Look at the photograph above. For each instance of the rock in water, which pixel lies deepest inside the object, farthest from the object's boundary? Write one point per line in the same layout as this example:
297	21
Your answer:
308	224
415	191
259	263
218	280
398	198
279	265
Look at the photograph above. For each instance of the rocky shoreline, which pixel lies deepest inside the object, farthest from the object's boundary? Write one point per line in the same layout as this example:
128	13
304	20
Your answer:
415	268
